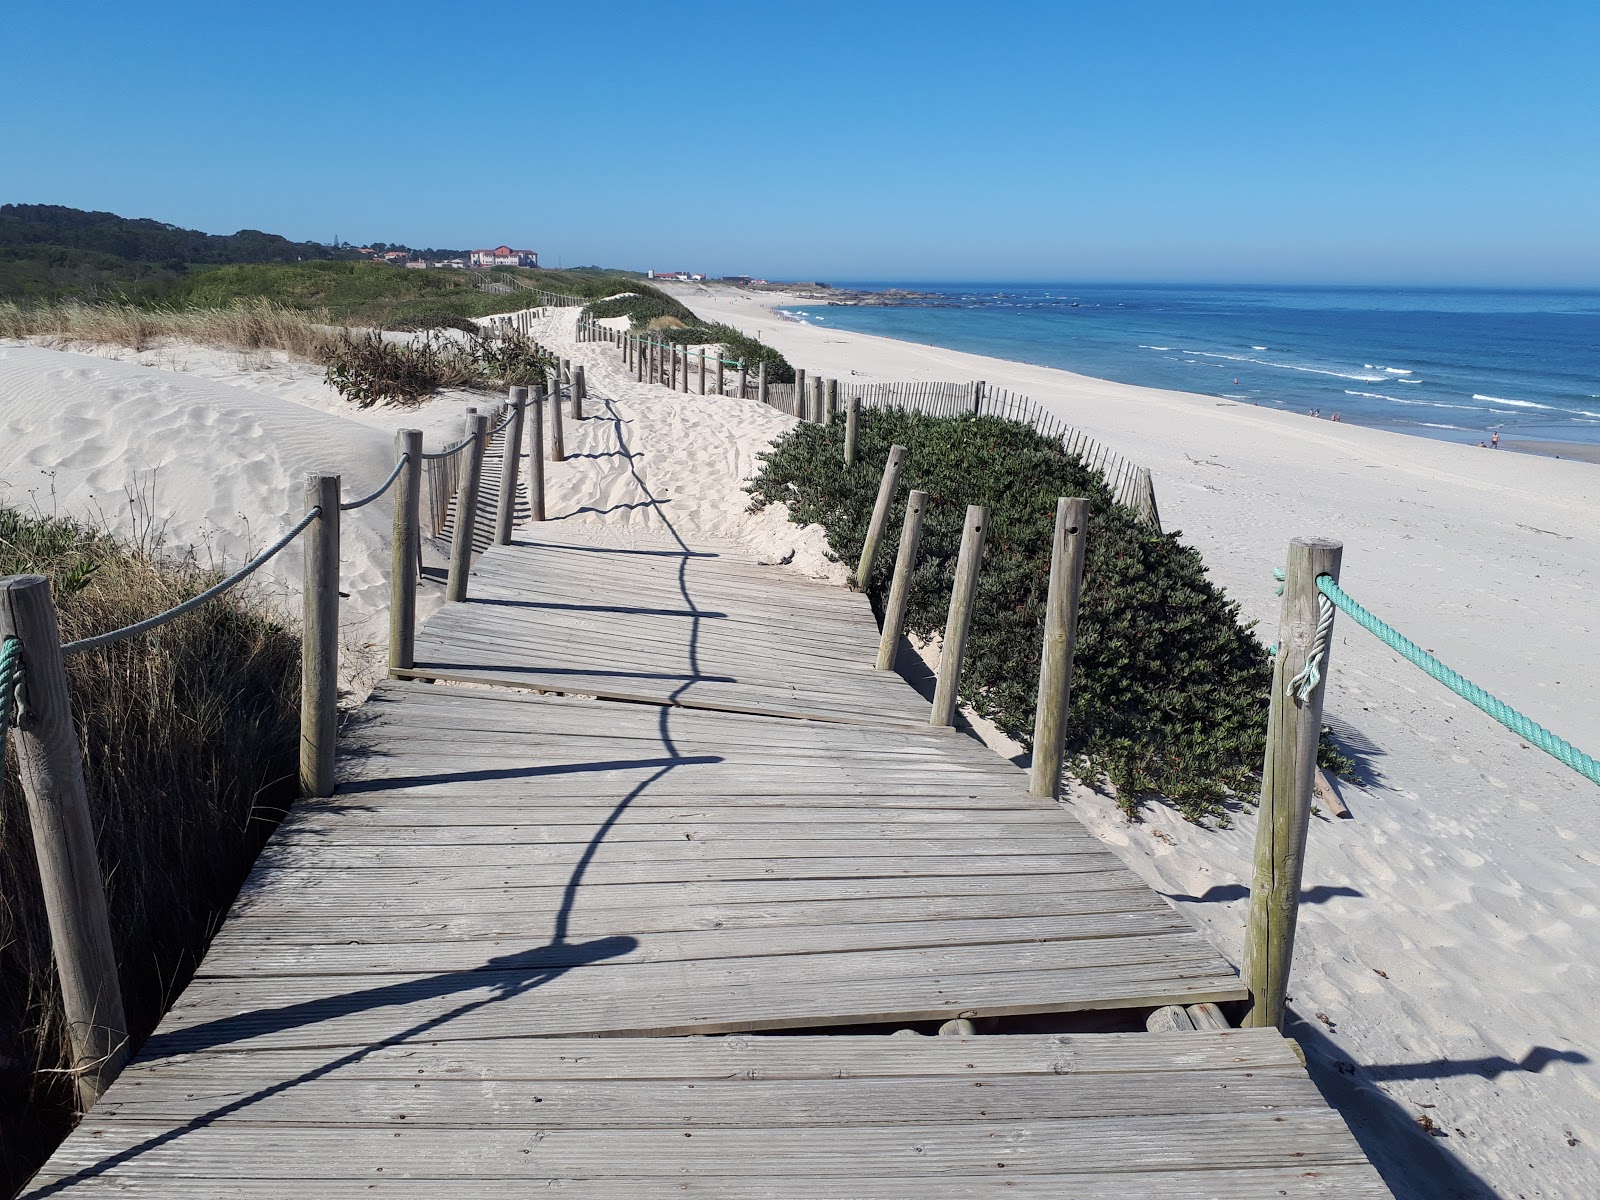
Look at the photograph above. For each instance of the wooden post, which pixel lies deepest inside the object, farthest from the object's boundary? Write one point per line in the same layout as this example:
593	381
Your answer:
977	397
702	370
719	373
51	768
761	383
1060	639
894	612
536	454
319	655
880	515
580	392
1293	732
832	401
959	622
407	543
505	508
852	426
800	394
466	525
685	387
558	445
566	371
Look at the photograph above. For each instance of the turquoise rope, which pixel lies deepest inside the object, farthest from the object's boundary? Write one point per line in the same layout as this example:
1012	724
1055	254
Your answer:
10	683
1523	727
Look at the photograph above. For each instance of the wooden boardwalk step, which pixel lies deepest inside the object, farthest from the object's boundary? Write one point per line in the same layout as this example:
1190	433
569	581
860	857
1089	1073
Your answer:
1224	1114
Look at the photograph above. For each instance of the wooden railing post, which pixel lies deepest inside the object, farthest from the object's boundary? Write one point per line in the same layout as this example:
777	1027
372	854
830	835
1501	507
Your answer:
580	392
50	765
558	446
852	426
505	508
1060	639
800	395
761	382
466	525
536	454
880	514
684	388
719	373
977	397
832	405
319	655
407	543
702	370
959	622
894	610
1294	730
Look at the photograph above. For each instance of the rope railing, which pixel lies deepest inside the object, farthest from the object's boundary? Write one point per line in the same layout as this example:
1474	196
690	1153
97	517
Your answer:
100	641
1523	726
382	487
453	450
10	684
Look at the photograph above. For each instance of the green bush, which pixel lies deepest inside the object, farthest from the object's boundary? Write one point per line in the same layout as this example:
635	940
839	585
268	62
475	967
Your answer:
1169	689
740	346
368	368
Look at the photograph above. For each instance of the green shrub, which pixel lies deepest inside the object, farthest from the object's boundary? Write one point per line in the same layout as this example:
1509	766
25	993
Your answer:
368	369
1169	688
190	739
509	359
739	345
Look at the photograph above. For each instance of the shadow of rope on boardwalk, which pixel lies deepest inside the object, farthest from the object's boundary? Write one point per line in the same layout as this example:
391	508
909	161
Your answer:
504	976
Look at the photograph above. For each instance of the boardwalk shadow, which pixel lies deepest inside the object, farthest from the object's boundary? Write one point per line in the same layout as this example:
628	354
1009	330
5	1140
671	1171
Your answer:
618	609
496	980
1221	893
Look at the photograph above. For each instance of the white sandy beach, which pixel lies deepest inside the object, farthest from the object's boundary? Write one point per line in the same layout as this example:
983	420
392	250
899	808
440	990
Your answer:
1447	965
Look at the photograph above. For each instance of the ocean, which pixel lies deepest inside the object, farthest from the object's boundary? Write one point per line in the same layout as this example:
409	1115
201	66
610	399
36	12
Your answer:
1453	364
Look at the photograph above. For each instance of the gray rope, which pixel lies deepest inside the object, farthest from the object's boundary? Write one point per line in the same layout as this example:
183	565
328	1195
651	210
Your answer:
382	487
456	449
211	593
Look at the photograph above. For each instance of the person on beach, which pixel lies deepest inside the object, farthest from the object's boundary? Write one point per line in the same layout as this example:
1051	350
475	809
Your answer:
1494	442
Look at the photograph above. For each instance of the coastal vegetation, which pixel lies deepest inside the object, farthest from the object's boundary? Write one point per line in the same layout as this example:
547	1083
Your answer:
1170	687
190	739
651	310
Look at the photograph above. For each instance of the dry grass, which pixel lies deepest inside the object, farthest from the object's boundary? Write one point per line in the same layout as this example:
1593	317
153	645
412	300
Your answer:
189	739
249	325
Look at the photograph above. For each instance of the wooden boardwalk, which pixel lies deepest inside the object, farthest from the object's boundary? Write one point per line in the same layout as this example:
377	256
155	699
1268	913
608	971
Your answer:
406	997
643	619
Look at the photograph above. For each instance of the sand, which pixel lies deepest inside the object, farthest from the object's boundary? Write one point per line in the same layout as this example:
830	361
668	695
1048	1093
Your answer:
1447	964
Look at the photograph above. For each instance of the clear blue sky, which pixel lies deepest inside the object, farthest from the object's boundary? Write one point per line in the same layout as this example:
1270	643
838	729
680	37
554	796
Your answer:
1406	142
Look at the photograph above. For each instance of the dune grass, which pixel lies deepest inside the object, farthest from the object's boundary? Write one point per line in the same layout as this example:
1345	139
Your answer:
190	739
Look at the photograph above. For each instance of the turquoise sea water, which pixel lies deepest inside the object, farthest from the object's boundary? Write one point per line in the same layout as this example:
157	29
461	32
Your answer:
1452	364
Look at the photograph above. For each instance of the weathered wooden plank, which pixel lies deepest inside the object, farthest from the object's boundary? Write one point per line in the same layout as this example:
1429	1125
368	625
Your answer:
350	954
1343	1181
635	1104
752	1056
1040	1146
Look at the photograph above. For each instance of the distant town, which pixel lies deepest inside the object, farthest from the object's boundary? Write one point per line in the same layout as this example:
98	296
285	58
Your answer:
506	256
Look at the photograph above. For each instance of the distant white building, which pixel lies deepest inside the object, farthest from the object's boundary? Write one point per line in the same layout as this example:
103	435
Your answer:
677	276
504	256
